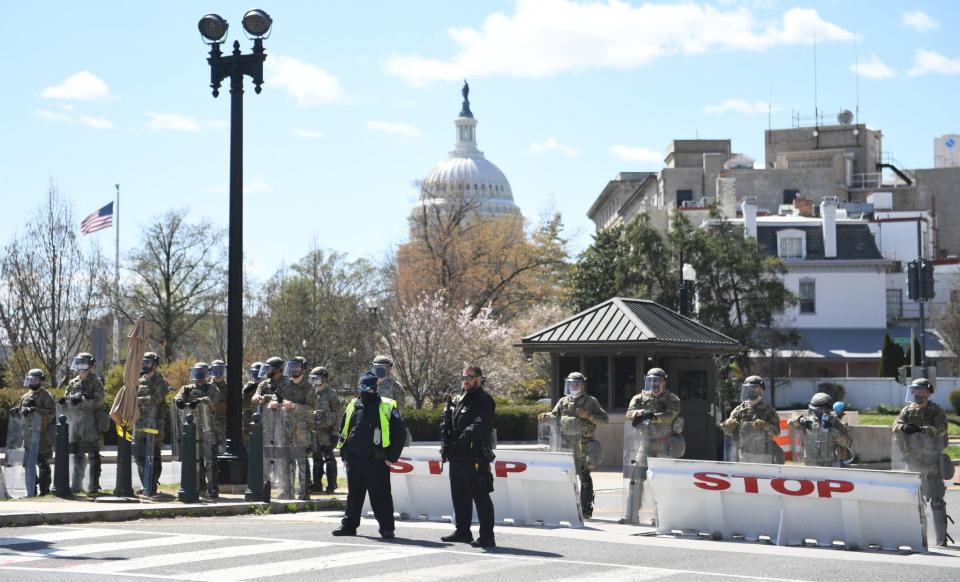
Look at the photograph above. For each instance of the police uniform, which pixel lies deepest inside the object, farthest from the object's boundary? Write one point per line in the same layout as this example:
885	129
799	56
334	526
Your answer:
329	412
471	480
666	409
207	394
151	399
567	409
372	432
88	439
922	438
826	440
38	401
299	432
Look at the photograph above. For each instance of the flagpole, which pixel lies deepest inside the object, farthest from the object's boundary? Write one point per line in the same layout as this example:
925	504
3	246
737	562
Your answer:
116	283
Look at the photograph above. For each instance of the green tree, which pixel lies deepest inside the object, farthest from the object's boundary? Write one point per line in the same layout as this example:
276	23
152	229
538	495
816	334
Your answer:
891	358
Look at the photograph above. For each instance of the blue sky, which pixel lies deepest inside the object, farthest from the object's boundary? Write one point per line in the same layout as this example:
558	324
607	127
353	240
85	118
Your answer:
360	100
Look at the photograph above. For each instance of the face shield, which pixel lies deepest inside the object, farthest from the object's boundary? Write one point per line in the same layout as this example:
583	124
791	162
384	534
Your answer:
316	380
218	370
293	369
198	374
146	366
80	364
918	394
265	371
654	384
380	371
255	374
573	387
32	382
751	392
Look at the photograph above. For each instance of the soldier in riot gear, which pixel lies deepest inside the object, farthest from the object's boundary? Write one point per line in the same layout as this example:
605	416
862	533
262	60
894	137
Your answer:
36	412
754	424
297	399
826	440
199	399
246	394
579	414
327	414
276	444
218	377
83	403
151	399
920	436
387	385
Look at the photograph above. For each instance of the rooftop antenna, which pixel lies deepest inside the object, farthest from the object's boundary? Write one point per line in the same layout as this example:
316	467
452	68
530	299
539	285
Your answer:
816	109
856	68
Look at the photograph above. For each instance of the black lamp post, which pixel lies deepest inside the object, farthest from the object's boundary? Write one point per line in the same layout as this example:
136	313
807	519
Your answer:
213	29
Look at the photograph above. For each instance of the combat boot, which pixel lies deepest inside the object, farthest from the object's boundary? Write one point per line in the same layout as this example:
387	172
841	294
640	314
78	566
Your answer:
95	461
44	476
940	525
331	467
316	483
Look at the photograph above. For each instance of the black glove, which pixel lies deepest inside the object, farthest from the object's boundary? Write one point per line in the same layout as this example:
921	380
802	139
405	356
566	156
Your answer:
636	421
26	411
911	429
14	411
180	403
193	404
806	423
76	399
63	400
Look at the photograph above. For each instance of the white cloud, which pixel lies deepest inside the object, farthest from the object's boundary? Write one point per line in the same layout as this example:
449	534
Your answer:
873	68
740	106
925	62
919	21
83	86
632	154
62	117
308	84
395	128
254	186
307	133
177	122
546	37
551	144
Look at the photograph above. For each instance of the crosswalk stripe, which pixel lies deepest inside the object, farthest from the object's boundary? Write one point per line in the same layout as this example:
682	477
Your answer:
60	536
87	549
621	575
201	554
344	559
446	571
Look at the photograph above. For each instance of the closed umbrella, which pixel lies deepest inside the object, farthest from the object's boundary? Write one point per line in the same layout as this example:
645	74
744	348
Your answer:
125	411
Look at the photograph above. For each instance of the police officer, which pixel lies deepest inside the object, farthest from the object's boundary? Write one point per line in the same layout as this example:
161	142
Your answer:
754	424
218	377
202	392
920	432
470	453
584	412
152	392
368	445
327	414
37	401
84	397
826	440
246	393
658	407
298	401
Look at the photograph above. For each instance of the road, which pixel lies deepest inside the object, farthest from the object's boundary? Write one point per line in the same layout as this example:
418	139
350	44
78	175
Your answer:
300	547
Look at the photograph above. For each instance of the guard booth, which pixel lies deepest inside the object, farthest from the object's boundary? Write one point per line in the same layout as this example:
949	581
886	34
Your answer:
615	342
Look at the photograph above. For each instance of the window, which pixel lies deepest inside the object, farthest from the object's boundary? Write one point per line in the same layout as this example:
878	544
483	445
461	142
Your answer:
684	196
789	196
955	296
808	296
894	304
791	243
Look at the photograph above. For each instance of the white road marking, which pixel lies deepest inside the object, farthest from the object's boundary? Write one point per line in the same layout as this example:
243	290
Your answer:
453	571
83	550
59	536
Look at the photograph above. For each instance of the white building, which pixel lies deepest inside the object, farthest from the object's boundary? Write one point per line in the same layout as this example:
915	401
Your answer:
946	151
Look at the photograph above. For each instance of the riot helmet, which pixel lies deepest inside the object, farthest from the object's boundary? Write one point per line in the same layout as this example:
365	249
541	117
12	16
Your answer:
318	376
367	383
295	367
752	388
655	382
574	384
255	370
218	369
820	404
839	408
920	390
200	372
34	379
151	361
82	362
267	369
381	366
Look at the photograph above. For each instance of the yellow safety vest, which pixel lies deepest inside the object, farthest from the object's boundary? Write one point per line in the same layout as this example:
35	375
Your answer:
387	406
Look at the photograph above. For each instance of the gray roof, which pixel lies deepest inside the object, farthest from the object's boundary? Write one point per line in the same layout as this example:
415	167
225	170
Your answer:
857	343
854	241
634	322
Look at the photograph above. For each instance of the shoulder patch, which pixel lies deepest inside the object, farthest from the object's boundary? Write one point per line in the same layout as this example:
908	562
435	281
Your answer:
395	413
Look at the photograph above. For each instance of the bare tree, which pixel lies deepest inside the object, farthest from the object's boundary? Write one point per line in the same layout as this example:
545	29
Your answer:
50	290
178	278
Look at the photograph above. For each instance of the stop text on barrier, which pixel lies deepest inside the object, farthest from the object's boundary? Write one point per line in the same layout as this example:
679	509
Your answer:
434	467
711	481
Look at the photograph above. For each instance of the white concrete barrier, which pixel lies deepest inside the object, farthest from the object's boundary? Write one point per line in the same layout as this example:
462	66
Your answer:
790	505
530	487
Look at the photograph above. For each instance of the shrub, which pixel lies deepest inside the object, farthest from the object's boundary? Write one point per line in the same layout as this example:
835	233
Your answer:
882	408
955	400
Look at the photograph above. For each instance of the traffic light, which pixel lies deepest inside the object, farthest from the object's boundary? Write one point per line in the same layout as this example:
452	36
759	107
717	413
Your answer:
913	280
926	280
920	280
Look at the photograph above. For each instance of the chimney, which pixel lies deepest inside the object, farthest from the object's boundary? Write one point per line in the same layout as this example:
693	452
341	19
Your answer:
727	195
828	214
804	206
749	208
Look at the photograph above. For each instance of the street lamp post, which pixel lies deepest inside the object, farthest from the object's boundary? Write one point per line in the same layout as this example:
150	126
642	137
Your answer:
213	29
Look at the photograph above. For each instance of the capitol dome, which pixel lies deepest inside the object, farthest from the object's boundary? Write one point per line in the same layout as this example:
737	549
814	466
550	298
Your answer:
467	173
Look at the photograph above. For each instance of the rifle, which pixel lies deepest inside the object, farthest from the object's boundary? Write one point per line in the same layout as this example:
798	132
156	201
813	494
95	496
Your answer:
446	431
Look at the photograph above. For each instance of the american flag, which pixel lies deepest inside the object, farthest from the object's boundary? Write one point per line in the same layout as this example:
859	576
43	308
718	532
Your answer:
98	220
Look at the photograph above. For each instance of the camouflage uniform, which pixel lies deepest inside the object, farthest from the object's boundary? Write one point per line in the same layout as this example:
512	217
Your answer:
390	388
206	394
329	411
247	409
39	401
823	446
300	431
666	407
755	445
566	409
93	421
922	451
219	412
151	399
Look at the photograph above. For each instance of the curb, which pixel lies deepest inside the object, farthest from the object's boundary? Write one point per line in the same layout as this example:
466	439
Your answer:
135	513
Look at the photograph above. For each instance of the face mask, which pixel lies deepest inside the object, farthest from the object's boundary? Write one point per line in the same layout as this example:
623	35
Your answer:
919	398
380	372
576	392
144	370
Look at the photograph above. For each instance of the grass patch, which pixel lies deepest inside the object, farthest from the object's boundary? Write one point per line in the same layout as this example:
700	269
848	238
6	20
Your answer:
873	419
953	452
257	509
